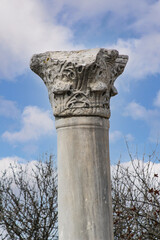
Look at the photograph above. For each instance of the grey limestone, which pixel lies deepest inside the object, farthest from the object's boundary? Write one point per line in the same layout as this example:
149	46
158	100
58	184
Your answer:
85	208
80	82
80	85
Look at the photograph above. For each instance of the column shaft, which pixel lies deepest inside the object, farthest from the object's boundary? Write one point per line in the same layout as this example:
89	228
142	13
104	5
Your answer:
84	188
80	85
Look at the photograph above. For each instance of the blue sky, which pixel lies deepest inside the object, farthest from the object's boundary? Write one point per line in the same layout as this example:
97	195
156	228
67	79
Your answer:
33	26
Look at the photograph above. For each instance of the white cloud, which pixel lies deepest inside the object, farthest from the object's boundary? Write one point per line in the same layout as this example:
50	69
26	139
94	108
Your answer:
143	55
150	116
26	28
144	50
8	108
129	137
154	166
136	111
157	100
149	168
35	124
17	163
150	20
7	161
93	8
117	135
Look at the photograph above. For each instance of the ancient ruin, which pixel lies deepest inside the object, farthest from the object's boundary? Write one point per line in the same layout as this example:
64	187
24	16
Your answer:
80	85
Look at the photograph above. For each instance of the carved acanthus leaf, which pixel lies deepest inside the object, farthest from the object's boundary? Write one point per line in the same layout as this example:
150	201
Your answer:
80	82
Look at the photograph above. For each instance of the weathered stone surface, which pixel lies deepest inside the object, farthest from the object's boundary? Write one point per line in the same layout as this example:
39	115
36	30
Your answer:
80	83
84	187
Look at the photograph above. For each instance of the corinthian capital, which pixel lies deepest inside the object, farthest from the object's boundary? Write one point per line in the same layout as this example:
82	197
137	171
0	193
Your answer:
80	83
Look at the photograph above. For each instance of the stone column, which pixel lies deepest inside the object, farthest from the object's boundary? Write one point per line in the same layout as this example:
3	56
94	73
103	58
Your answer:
80	84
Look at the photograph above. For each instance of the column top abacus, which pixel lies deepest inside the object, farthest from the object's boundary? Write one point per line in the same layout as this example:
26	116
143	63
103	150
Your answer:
80	83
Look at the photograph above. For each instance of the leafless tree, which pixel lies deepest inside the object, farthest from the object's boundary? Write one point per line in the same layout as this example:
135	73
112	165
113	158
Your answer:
28	202
136	200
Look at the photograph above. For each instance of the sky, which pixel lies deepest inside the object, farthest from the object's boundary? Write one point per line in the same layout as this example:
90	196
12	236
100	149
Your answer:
27	27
